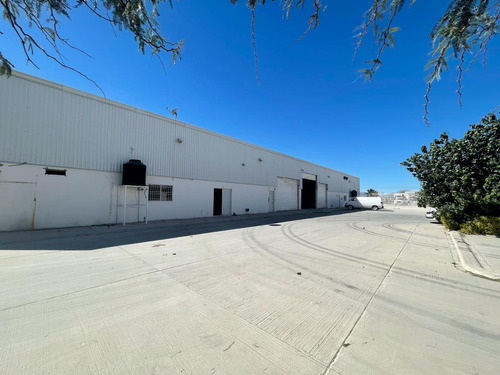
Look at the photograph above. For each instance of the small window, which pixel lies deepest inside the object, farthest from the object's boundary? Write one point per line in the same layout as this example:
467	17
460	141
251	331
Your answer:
154	193
55	172
160	192
166	193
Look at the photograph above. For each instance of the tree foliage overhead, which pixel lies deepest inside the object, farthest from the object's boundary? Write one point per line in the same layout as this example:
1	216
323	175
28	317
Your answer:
465	28
461	177
36	24
461	34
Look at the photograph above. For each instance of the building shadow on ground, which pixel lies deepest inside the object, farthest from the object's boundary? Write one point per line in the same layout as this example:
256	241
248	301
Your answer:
102	236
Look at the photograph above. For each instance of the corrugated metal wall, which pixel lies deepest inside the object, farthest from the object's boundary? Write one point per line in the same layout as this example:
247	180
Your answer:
44	123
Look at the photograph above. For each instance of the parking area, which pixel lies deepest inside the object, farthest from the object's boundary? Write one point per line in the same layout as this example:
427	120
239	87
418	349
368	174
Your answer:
311	292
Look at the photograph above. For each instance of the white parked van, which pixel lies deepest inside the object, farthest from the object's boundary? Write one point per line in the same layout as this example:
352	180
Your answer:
372	203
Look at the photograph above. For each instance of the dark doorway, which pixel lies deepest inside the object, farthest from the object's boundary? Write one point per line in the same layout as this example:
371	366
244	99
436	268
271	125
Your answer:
217	202
308	193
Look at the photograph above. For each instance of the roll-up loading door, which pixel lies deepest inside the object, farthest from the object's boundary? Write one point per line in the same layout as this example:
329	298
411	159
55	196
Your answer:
286	195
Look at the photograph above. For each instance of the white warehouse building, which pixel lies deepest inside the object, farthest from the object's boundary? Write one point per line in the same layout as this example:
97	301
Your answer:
63	153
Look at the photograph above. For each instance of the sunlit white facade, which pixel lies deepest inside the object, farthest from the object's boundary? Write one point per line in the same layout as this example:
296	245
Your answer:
62	153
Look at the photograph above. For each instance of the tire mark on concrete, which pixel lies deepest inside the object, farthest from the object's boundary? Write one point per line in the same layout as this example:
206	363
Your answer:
286	262
443	319
355	226
356	297
443	281
287	230
367	305
393	227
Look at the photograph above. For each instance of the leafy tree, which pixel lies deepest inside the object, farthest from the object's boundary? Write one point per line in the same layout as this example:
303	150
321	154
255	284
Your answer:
461	177
138	16
372	193
465	29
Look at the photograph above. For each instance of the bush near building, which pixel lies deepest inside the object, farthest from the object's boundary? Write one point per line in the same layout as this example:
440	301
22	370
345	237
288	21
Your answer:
461	178
482	225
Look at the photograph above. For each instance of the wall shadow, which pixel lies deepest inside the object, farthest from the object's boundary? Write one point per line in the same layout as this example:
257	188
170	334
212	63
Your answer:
102	236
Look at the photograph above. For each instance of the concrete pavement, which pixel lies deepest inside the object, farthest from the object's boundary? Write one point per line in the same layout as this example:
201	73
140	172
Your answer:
304	293
479	255
476	254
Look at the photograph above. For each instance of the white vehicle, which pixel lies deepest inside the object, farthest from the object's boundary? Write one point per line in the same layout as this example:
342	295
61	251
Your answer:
430	213
373	203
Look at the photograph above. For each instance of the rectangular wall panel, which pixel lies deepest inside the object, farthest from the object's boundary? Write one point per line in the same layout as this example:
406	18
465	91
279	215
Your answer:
321	203
286	194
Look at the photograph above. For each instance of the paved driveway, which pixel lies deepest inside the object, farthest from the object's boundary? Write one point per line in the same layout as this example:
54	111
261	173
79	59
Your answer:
313	292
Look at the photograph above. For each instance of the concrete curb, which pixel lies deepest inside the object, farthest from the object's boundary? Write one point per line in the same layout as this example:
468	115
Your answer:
471	260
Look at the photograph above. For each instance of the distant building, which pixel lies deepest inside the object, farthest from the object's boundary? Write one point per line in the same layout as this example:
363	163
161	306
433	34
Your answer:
407	197
64	161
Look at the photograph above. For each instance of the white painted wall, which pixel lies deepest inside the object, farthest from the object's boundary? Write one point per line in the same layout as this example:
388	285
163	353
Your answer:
271	200
336	198
80	198
17	205
194	198
44	124
30	199
321	197
226	202
136	199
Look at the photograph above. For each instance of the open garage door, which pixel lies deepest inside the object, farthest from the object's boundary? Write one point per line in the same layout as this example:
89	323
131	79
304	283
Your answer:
308	190
321	195
286	197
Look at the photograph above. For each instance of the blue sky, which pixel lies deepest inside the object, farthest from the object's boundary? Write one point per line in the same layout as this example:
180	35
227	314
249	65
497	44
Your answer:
310	102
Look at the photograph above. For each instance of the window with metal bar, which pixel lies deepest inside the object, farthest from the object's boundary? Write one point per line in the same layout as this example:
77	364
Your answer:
160	192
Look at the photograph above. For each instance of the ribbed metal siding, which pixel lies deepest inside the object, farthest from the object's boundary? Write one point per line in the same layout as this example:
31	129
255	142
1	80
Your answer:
47	124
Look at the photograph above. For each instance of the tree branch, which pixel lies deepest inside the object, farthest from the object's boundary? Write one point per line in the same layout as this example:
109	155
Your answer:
26	38
255	46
